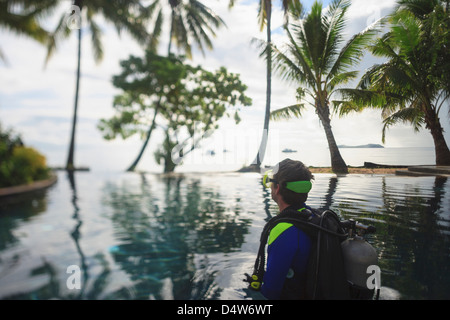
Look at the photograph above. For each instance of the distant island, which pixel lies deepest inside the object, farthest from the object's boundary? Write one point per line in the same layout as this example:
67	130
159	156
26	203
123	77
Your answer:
370	145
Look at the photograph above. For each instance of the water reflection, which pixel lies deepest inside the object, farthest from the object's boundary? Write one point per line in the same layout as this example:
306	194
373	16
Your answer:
13	211
192	237
328	199
163	228
412	236
416	244
18	208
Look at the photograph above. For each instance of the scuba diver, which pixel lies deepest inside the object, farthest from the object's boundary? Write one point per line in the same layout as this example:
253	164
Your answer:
309	253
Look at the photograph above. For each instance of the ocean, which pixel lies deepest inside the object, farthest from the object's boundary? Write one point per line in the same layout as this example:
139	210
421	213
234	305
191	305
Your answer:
313	156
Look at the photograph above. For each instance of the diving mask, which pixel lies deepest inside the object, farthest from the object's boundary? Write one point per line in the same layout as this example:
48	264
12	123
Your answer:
296	186
268	179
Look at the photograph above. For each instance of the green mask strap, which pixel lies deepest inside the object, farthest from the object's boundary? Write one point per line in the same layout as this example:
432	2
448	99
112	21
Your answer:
299	186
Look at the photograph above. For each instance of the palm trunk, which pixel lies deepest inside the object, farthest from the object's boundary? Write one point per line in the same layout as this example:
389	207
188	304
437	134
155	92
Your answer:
338	164
147	139
70	158
440	145
262	148
441	149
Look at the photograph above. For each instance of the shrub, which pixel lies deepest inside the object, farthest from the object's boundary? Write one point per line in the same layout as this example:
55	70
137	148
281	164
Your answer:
19	164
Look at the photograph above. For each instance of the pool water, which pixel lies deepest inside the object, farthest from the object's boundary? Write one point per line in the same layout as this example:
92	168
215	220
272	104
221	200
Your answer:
193	236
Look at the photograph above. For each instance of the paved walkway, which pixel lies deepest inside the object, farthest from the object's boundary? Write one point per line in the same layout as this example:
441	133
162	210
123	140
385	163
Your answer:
38	185
419	171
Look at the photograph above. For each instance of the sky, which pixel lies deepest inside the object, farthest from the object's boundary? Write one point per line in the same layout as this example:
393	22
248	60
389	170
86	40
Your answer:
37	102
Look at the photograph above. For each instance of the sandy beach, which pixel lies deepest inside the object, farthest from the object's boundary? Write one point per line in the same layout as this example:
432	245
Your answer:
355	170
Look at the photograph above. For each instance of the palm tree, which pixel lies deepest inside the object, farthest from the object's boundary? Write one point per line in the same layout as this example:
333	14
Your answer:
413	84
264	19
124	15
21	17
319	63
190	22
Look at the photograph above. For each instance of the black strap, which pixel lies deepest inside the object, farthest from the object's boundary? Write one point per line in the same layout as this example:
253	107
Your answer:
309	221
290	215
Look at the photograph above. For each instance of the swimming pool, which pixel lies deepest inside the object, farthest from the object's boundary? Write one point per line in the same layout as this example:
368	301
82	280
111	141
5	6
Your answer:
193	236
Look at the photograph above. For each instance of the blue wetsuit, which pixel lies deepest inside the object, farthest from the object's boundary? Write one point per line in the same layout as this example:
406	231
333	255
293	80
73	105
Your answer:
287	256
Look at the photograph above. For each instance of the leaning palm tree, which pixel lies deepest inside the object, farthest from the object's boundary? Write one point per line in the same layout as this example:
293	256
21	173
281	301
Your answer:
265	19
124	15
318	60
190	22
22	17
413	84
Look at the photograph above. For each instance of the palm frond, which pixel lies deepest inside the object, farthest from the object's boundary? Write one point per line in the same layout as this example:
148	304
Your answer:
25	22
341	78
302	64
395	78
155	35
310	35
344	107
283	65
263	7
382	47
97	46
353	50
201	21
334	24
3	57
406	32
363	98
193	23
409	115
419	8
179	33
293	111
292	70
210	19
61	31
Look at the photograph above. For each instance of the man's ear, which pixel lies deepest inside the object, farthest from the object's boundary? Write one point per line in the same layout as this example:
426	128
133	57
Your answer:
277	188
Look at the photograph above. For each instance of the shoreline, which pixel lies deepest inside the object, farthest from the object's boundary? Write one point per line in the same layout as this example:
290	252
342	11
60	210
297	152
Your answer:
355	170
368	168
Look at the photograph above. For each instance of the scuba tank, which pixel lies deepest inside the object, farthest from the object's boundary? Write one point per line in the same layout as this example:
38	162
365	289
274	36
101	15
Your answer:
359	256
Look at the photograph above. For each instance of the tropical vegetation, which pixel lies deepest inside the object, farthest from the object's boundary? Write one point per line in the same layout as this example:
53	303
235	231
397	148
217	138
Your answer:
22	18
19	164
412	85
190	22
185	100
124	15
320	62
264	19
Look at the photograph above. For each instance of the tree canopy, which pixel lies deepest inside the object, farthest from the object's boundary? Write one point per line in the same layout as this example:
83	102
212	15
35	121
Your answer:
412	85
187	98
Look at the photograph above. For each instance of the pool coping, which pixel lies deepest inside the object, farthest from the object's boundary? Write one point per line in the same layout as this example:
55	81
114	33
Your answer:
421	171
24	188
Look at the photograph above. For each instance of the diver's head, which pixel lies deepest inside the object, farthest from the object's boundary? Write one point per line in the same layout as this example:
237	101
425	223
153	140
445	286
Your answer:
290	182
